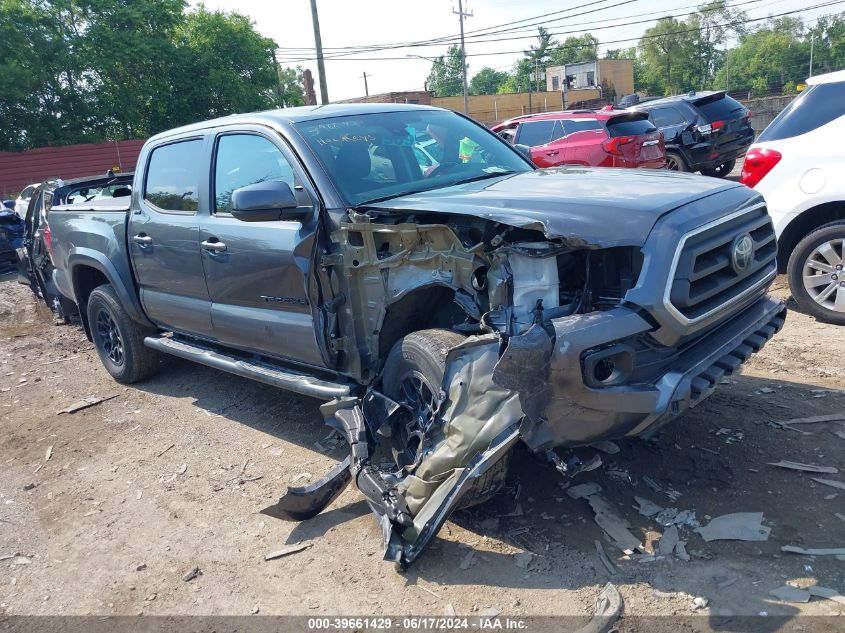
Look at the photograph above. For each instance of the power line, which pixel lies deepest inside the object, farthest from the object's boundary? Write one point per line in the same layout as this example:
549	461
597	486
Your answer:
619	41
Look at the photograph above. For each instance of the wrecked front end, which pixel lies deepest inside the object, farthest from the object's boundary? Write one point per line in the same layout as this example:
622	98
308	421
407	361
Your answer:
566	343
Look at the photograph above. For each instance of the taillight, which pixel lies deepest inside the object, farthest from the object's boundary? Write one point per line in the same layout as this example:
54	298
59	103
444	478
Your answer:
758	163
717	125
709	128
614	145
48	240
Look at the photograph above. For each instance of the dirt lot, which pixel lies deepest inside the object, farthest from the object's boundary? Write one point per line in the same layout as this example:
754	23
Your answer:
112	505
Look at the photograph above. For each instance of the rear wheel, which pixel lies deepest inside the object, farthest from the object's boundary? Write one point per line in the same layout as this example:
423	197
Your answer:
720	171
675	162
816	272
119	341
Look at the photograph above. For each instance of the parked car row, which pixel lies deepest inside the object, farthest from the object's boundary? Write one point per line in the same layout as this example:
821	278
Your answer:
705	132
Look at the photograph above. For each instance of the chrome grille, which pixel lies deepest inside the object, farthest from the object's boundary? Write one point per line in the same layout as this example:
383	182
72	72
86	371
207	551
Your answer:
707	273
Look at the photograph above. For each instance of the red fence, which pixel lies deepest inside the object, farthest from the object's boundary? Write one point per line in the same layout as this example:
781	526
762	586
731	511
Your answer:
18	169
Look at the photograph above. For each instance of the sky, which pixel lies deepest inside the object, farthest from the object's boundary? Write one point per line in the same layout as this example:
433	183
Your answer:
345	23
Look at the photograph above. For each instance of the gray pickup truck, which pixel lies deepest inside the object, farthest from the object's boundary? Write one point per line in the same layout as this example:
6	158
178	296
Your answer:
446	298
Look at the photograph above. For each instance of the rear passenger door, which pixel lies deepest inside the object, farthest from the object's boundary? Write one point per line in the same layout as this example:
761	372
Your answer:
583	142
671	121
537	135
164	237
257	272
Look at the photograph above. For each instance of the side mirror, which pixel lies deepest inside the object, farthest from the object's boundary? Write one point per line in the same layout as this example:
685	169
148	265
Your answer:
264	201
523	149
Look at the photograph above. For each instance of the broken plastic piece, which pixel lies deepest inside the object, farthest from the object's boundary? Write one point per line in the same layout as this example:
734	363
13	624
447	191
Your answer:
739	526
301	503
608	610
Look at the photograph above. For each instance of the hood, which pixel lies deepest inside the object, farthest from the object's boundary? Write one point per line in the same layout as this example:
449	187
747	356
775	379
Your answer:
587	207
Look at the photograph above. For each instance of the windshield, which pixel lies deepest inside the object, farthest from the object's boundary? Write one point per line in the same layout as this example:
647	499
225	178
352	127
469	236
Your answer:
378	156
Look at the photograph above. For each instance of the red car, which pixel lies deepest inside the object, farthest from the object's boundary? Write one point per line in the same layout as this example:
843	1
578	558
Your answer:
598	138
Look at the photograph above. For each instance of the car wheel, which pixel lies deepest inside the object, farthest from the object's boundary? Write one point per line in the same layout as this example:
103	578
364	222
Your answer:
675	162
413	375
119	341
721	170
816	272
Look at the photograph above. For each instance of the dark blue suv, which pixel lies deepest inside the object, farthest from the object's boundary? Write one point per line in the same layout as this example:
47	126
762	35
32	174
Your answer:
703	131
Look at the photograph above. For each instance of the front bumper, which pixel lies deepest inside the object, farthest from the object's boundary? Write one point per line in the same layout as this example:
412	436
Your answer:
562	410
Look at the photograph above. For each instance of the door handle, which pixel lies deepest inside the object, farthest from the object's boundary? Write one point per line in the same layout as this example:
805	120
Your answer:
142	240
213	247
553	152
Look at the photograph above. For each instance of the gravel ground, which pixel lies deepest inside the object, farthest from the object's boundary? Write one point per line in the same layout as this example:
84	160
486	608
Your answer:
109	508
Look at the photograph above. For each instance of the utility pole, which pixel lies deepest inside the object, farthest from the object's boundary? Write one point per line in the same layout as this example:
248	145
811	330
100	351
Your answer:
461	15
366	89
318	43
812	44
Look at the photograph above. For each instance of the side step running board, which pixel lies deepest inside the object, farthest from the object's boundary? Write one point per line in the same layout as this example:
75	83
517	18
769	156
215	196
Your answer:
256	370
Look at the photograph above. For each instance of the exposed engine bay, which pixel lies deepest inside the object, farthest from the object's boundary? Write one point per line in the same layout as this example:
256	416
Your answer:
447	443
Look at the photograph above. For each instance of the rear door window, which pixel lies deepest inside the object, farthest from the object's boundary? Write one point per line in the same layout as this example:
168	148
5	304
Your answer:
579	125
173	176
533	133
720	108
622	126
664	117
818	105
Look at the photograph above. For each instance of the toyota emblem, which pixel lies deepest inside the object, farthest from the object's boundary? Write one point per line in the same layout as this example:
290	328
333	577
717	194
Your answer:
743	253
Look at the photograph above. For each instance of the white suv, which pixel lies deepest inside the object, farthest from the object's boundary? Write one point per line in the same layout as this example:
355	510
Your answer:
798	164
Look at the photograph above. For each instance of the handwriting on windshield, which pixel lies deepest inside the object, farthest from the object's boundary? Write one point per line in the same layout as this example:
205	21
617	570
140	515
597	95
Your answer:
347	138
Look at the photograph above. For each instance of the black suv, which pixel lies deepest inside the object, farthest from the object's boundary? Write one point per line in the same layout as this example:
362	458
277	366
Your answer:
704	131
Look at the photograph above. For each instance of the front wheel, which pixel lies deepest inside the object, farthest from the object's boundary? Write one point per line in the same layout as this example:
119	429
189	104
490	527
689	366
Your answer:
119	341
720	171
675	162
816	273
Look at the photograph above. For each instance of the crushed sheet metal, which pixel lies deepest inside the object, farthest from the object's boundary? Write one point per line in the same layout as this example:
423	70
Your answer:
826	592
814	551
739	526
830	482
788	593
608	609
807	468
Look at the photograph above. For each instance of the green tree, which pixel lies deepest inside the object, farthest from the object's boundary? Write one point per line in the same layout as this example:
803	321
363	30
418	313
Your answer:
576	48
291	89
446	76
487	81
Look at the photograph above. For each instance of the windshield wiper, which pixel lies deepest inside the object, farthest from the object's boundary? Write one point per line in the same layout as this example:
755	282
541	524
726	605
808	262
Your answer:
390	197
483	177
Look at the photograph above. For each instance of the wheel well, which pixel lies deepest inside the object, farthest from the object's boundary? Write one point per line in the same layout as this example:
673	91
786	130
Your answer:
804	224
85	279
424	308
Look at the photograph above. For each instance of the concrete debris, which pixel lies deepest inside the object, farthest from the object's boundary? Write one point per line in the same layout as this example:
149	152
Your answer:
182	469
604	558
449	610
468	560
647	508
48	454
608	610
523	559
583	490
16	559
808	468
681	551
191	574
141	567
829	482
825	592
668	541
606	446
765	390
255	609
834	417
814	551
90	401
151	597
489	612
787	593
699	603
739	526
288	550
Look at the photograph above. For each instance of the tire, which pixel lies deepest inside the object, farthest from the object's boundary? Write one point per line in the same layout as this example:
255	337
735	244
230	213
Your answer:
119	341
720	171
422	355
820	255
675	162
